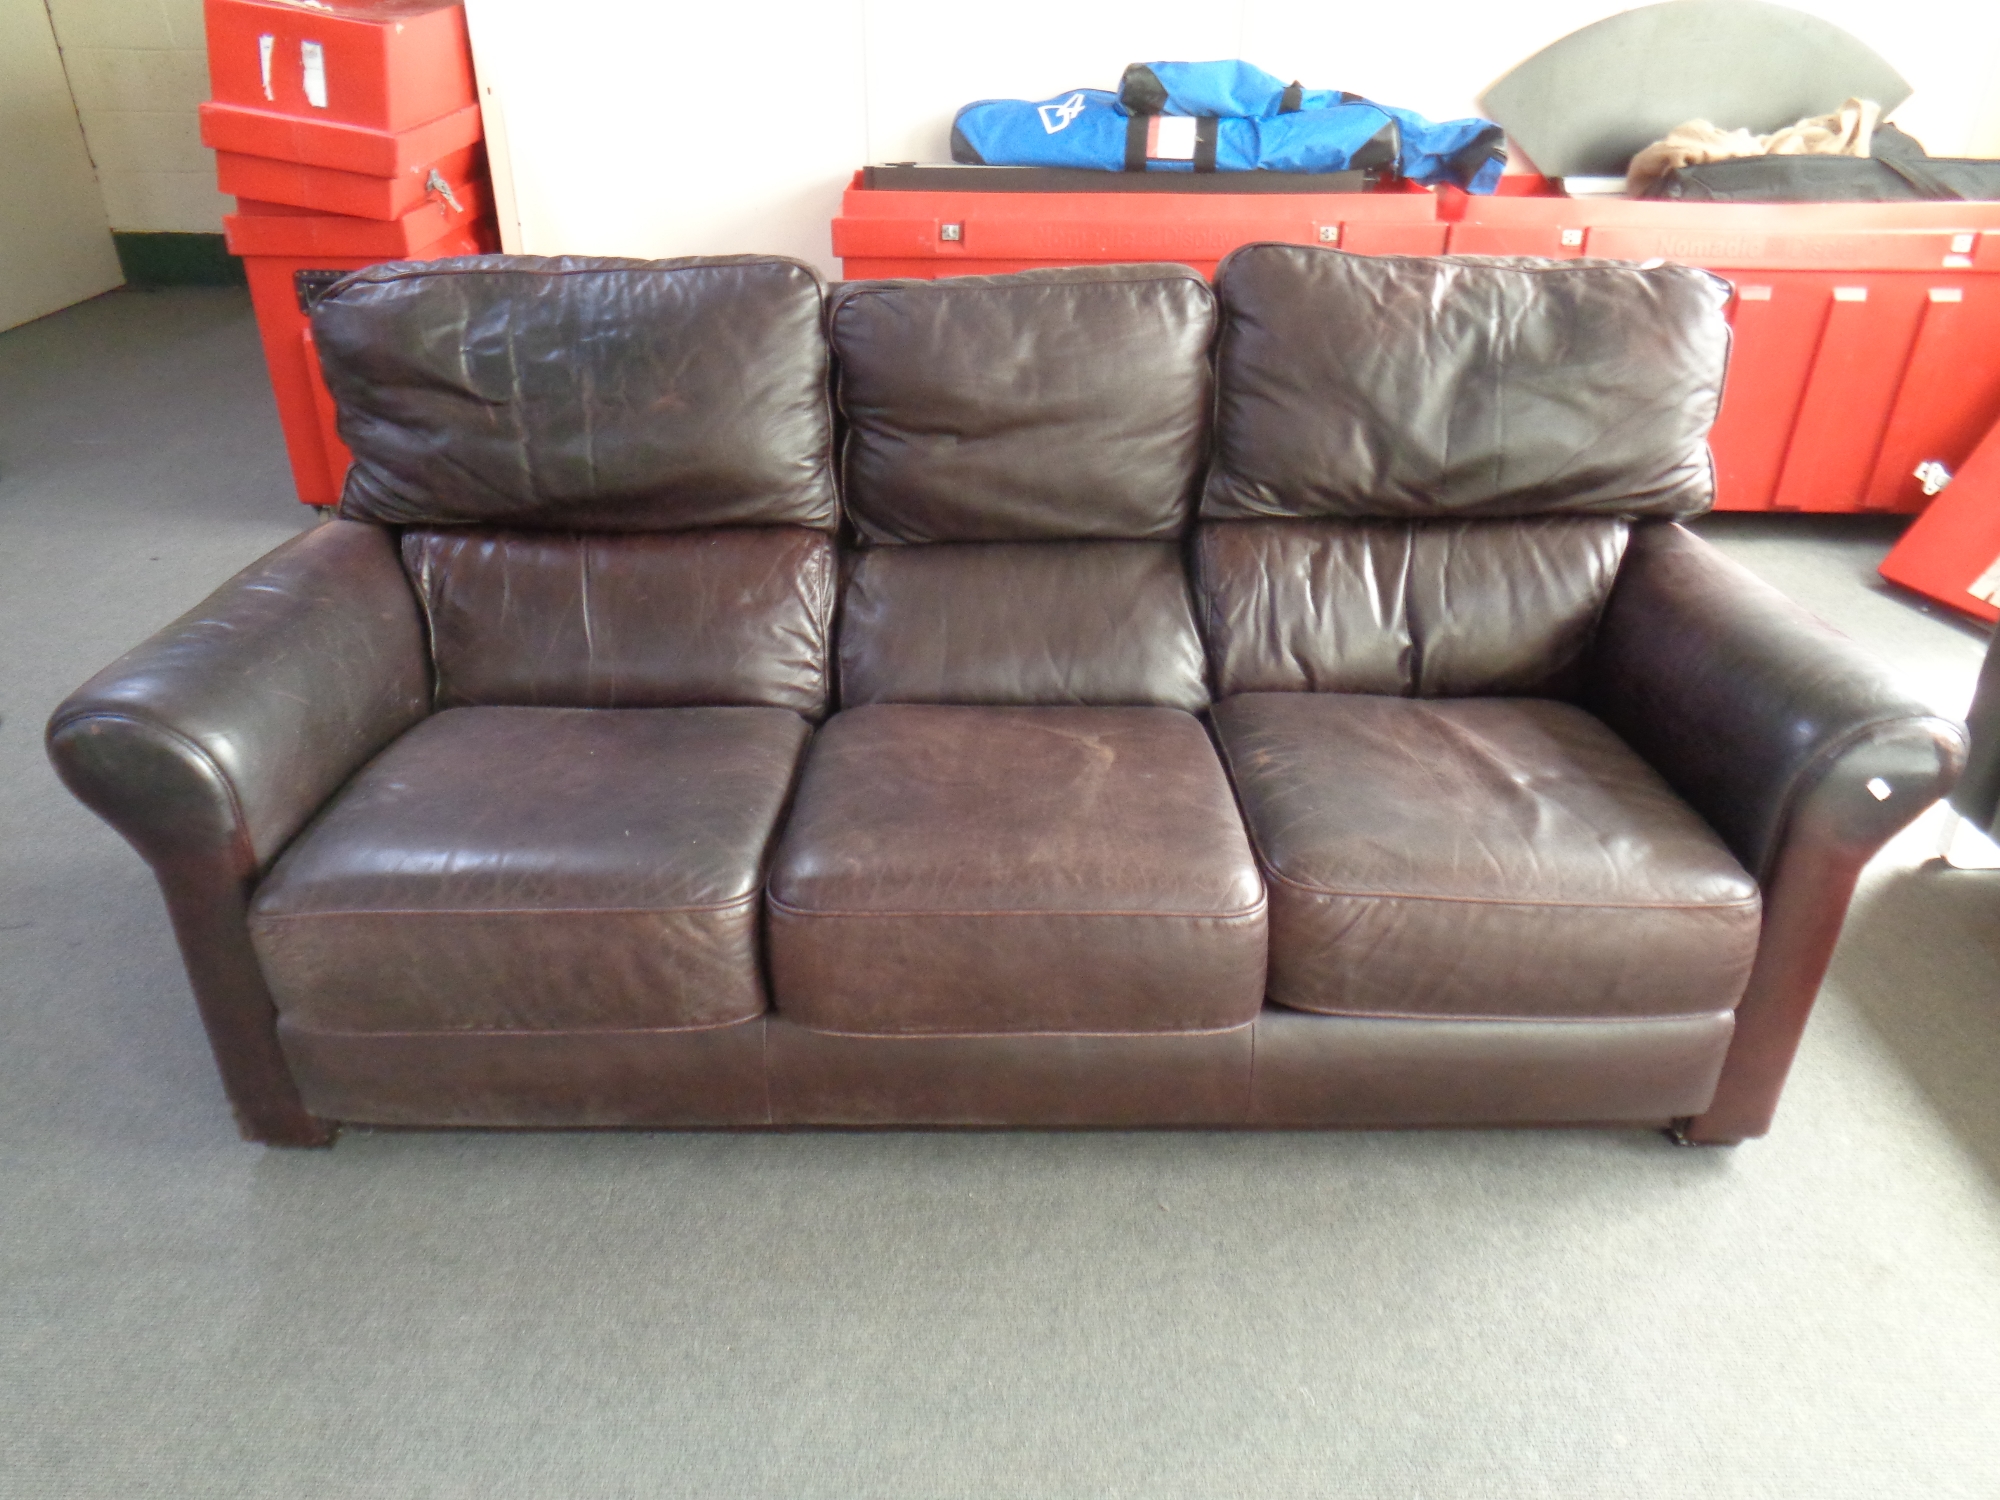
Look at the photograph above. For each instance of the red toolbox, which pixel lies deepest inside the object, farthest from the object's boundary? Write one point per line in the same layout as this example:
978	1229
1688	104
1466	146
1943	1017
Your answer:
1867	334
359	194
966	232
381	64
328	143
1952	551
319	459
258	228
349	131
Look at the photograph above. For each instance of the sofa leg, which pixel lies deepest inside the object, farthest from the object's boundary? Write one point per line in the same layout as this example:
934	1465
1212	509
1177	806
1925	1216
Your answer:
299	1132
1683	1132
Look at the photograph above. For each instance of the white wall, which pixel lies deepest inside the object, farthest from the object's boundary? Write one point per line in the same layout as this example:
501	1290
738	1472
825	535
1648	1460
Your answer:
138	69
55	248
640	129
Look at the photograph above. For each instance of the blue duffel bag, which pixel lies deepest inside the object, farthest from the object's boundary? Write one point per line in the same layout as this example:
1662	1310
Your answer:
1223	117
1088	128
1466	153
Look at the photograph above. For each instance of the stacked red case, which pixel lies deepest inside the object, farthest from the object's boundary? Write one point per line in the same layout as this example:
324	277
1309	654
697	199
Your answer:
349	132
966	232
1951	553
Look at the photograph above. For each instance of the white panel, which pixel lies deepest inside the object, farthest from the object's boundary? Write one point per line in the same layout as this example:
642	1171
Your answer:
113	23
165	202
1373	50
54	246
1946	49
926	60
131	78
676	131
125	140
184	18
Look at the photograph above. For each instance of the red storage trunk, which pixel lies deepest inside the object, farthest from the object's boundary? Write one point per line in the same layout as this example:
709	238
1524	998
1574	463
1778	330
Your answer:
1952	551
1867	334
952	233
380	64
258	228
319	459
358	194
328	143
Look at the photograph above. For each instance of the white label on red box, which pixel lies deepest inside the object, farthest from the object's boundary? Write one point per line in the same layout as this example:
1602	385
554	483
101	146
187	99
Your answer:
312	64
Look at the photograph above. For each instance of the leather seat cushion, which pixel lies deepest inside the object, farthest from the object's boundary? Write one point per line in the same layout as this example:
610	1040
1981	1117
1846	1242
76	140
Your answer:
976	870
1498	858
536	869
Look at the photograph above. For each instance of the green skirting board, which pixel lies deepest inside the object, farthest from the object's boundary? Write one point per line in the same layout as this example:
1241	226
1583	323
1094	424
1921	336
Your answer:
149	259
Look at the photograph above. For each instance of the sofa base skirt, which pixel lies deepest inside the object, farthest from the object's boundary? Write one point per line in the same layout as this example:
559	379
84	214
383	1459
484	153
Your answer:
1357	1071
1288	1070
1035	1080
713	1077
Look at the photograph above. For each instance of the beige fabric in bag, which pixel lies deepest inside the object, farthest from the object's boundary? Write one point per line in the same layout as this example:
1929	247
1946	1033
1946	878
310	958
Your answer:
1848	131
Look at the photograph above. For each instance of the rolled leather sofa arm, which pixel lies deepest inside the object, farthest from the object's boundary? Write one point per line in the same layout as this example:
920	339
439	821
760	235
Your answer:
211	744
1795	744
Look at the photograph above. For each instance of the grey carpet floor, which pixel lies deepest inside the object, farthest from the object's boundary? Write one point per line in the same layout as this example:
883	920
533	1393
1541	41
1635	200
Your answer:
1440	1314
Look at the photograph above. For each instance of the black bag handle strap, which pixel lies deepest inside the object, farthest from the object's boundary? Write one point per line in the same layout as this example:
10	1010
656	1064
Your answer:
1205	132
1135	142
1919	176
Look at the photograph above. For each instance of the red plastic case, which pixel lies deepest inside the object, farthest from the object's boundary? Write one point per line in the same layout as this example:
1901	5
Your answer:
328	143
258	228
1954	547
948	233
358	194
383	65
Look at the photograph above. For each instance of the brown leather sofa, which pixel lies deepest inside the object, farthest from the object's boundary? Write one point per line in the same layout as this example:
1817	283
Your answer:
1079	698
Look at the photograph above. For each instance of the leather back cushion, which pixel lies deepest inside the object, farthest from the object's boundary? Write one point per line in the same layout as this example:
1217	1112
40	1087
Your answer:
1049	404
1390	386
734	616
1446	609
1021	623
601	395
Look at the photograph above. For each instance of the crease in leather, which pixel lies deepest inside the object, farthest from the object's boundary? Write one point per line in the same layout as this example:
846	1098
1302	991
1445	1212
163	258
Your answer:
732	616
1308	888
1416	609
692	908
298	1028
1241	914
974	1036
